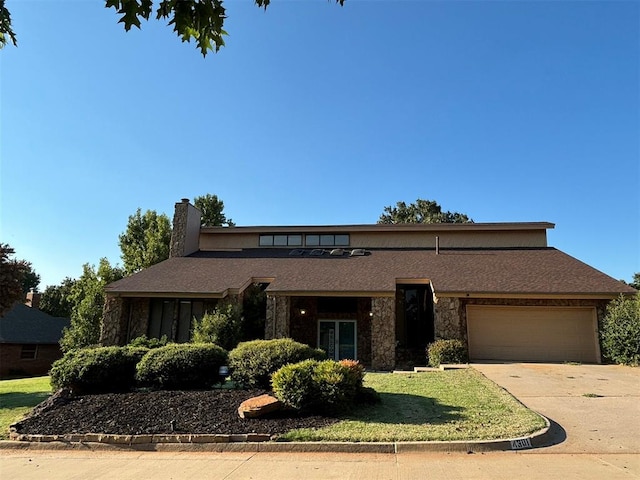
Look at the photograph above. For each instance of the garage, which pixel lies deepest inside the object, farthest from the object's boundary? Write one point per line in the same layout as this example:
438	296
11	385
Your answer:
533	334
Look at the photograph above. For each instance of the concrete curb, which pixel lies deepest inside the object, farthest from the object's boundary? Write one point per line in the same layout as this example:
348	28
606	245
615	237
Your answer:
260	443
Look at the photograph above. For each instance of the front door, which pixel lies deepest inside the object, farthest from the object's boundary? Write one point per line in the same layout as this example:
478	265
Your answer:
338	338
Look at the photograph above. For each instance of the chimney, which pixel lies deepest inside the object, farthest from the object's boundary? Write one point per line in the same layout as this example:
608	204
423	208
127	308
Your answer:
33	299
185	236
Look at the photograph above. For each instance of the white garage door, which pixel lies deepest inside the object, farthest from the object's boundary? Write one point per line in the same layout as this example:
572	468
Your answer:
532	334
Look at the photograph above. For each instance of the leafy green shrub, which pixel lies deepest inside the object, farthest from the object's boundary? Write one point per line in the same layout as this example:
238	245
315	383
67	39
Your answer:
355	371
252	363
223	327
316	386
97	370
447	351
293	384
182	366
620	331
144	341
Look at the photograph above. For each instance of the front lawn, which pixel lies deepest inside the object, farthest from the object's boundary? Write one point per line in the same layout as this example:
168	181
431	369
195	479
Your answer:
18	397
436	406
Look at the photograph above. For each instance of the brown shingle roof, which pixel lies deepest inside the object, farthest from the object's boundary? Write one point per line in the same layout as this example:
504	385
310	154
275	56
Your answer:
545	271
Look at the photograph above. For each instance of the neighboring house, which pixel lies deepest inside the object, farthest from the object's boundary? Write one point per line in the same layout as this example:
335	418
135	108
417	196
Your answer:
377	293
29	341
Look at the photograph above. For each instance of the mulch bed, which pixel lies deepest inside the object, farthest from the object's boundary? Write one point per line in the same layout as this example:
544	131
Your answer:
160	412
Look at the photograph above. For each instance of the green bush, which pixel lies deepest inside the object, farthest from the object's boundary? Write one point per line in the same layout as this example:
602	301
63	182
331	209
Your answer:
620	331
293	385
252	363
97	370
223	327
447	351
323	387
185	366
144	341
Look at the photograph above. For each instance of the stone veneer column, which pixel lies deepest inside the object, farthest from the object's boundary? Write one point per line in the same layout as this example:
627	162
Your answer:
383	333
110	330
277	322
448	321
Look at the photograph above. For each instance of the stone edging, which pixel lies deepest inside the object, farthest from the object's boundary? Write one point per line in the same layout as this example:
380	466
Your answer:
253	442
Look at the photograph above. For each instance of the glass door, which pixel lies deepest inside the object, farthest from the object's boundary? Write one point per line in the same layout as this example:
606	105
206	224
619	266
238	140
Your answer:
338	338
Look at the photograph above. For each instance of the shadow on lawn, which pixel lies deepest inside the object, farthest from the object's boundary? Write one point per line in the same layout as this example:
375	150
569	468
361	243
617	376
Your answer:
22	399
406	409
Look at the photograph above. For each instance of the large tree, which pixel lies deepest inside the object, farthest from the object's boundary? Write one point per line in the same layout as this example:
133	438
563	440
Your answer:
422	211
212	208
87	296
30	280
146	240
56	299
200	20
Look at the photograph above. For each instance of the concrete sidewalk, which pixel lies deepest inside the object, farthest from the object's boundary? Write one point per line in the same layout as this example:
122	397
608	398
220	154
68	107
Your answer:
75	465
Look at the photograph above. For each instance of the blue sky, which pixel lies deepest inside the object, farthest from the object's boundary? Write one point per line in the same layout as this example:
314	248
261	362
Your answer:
316	114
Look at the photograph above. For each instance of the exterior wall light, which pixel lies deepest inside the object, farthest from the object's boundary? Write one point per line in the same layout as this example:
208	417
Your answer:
303	311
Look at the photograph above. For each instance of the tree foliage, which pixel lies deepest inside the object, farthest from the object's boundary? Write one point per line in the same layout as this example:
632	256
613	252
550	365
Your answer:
620	330
30	279
13	275
223	327
87	295
146	240
212	208
422	211
56	299
199	20
636	281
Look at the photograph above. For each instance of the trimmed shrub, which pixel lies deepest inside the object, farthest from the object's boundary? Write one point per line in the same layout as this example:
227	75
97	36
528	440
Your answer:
620	331
252	363
447	351
97	370
185	366
293	385
355	371
310	385
144	341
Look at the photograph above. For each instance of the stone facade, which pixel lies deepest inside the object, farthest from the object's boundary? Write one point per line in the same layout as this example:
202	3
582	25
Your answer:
448	319
112	316
383	333
277	322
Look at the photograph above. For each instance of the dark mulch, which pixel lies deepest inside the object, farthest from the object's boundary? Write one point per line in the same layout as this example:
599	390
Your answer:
161	412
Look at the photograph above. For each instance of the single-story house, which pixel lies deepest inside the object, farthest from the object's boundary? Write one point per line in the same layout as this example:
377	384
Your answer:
29	341
376	293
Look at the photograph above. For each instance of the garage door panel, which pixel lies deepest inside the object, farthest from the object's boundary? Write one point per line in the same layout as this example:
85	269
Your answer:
532	334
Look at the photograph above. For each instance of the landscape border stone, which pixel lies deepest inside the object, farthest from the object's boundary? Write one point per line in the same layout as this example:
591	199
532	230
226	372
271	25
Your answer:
255	442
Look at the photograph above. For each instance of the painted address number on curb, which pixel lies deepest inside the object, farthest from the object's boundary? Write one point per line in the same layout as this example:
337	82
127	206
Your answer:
521	443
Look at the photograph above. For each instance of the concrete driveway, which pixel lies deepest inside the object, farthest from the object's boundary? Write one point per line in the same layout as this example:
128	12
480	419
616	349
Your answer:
593	408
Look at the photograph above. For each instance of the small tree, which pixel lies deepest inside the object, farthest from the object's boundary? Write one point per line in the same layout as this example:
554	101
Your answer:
620	331
223	327
56	299
146	240
12	278
87	296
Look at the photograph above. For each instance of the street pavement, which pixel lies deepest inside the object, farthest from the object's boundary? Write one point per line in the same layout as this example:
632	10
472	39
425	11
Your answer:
594	411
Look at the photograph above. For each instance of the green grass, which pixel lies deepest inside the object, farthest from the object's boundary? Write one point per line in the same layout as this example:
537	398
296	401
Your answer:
433	406
18	397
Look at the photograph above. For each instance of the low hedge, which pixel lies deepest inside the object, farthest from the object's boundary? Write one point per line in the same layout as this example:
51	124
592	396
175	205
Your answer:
97	369
186	366
447	351
252	363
